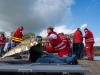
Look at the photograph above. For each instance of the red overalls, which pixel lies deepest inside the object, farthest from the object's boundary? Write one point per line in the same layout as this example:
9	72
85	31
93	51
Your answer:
57	45
89	40
65	40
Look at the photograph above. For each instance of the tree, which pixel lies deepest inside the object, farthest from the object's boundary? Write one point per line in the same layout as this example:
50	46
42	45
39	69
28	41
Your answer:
25	35
70	36
2	32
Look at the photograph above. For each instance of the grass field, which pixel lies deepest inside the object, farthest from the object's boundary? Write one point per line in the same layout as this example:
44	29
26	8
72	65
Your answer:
97	52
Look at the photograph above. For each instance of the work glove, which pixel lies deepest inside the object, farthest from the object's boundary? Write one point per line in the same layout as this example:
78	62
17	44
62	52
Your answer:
38	39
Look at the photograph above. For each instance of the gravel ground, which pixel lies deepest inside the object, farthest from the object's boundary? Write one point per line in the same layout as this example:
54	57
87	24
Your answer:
94	66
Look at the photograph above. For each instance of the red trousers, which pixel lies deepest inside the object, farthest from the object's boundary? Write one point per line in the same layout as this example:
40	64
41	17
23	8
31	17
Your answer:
90	51
63	52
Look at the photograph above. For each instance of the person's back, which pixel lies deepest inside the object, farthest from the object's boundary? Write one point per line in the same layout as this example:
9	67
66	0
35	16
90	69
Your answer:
17	37
58	45
78	43
66	42
56	42
35	52
77	37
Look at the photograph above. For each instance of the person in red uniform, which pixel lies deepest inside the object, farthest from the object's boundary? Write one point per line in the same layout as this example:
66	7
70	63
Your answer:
2	43
89	41
56	42
69	46
65	40
17	38
78	42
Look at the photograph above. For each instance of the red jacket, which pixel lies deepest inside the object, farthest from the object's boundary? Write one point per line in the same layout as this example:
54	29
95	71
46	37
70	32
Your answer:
2	40
17	36
64	39
89	36
68	41
78	37
57	44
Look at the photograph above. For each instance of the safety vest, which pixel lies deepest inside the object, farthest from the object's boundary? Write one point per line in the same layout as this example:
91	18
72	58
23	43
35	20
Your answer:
64	39
57	44
15	39
89	36
17	36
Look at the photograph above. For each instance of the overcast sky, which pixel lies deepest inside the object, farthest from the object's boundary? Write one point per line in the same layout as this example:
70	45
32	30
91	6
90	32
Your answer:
64	15
34	15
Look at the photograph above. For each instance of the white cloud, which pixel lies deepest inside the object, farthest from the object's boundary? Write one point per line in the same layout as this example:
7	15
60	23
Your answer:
34	15
83	26
59	29
43	33
63	28
97	42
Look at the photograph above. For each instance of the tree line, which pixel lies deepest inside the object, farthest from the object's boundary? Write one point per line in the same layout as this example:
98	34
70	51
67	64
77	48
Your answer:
25	35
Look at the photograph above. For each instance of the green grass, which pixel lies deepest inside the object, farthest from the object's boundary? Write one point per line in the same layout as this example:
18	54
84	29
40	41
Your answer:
97	52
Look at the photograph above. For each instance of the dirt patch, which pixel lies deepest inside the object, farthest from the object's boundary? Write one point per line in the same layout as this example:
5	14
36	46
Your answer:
94	66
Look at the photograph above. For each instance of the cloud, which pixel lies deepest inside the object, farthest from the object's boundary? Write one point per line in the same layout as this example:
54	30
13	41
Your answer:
97	42
83	26
63	28
34	15
59	29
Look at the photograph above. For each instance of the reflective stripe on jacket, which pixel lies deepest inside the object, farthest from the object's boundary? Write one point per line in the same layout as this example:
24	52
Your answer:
89	36
57	44
17	36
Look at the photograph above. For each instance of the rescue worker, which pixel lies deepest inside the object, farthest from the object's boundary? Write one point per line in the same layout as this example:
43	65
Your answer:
65	40
69	46
89	41
2	43
78	42
56	42
17	38
82	52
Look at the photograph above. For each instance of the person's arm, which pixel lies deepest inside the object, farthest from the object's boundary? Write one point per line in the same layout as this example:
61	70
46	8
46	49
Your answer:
52	36
86	35
47	38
